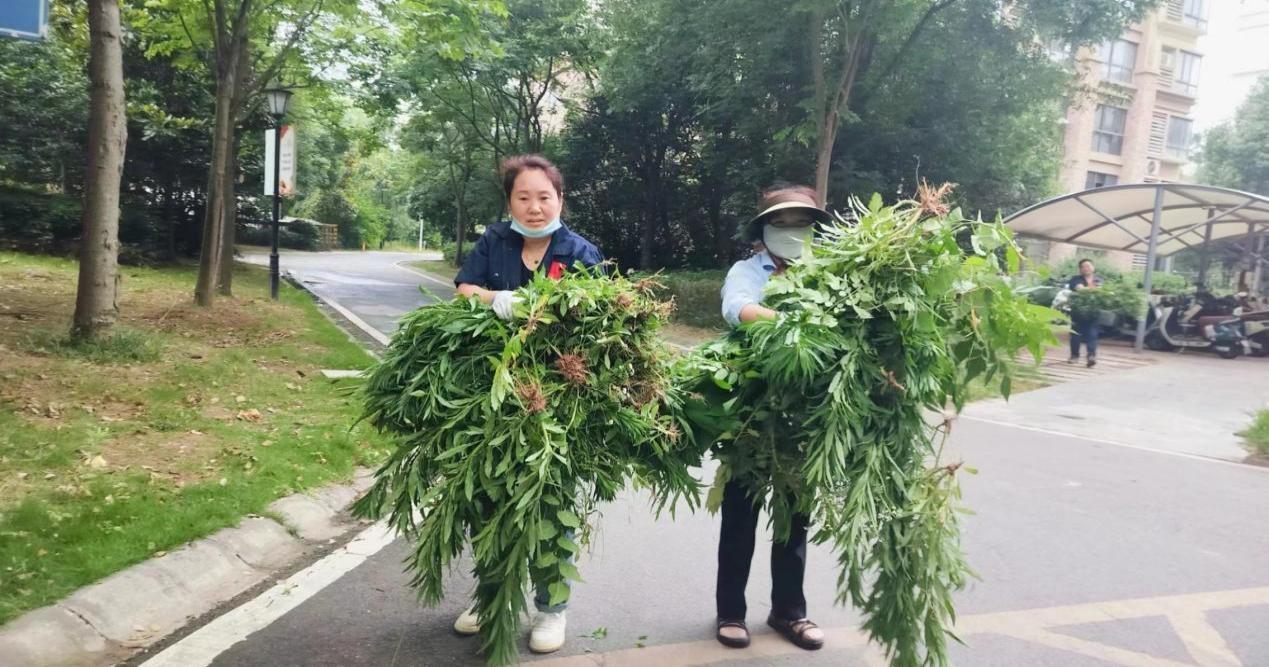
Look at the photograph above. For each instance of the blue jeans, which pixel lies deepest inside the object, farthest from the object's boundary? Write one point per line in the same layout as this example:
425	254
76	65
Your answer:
542	600
1087	331
542	597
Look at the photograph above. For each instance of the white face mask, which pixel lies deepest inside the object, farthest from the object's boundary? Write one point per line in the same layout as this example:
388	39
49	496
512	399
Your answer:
529	233
786	242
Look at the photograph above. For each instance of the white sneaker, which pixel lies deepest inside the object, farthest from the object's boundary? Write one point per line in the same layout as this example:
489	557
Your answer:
468	623
548	632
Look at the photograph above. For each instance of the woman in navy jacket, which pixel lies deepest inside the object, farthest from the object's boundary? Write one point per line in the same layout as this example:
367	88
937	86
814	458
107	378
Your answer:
535	239
504	259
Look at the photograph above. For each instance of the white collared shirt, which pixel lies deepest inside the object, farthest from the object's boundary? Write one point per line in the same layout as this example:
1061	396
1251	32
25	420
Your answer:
744	284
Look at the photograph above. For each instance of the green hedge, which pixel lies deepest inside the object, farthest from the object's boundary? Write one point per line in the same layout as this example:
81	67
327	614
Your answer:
1117	297
697	296
297	236
38	221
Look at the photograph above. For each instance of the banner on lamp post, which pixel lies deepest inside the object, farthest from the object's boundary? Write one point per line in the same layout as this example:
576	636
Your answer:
286	175
24	19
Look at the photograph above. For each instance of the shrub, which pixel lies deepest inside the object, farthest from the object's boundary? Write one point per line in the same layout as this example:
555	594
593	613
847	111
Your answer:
1117	297
1257	435
697	296
295	235
38	221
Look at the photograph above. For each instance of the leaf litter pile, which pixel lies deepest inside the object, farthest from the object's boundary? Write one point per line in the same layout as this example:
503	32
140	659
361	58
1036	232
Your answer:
511	434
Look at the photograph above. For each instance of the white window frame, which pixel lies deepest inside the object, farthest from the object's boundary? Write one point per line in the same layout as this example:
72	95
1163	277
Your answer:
1174	151
1189	85
1109	179
1112	70
1112	136
1194	14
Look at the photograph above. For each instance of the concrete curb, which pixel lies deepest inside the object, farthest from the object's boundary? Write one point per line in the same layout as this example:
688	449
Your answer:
104	622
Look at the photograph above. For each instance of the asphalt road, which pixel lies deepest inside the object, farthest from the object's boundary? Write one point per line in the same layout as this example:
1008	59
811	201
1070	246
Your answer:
1090	553
374	285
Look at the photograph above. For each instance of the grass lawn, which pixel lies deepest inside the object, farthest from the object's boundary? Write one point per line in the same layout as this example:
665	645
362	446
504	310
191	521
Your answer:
1257	435
184	422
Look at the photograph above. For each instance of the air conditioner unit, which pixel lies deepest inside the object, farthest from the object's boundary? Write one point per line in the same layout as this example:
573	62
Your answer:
1152	167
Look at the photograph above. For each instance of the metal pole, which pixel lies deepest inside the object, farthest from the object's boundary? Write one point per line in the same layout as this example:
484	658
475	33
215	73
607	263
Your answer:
1260	262
1151	253
277	209
420	235
1204	253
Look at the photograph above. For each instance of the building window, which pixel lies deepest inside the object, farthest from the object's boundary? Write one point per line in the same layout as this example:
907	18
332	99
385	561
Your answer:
1096	179
1138	262
1187	73
1194	13
1179	132
1119	59
1108	129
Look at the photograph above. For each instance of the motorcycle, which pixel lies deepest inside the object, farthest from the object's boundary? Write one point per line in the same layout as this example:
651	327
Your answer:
1174	322
1255	323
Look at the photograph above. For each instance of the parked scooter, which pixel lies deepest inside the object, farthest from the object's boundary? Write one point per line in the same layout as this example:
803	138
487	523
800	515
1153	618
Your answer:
1255	322
1178	322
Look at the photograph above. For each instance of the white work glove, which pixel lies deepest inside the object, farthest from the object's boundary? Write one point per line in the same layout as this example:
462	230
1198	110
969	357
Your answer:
503	302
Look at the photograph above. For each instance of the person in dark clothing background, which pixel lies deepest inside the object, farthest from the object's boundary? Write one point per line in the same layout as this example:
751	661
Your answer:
1084	328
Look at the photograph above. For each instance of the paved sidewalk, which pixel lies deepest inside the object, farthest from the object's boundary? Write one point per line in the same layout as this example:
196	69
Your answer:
1183	403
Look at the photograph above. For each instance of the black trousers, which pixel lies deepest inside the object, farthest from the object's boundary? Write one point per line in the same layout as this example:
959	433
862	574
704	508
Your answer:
735	554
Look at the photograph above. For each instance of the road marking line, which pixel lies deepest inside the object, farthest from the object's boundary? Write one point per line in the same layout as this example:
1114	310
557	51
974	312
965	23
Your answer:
1097	650
1030	625
357	321
1184	455
203	645
1205	643
400	265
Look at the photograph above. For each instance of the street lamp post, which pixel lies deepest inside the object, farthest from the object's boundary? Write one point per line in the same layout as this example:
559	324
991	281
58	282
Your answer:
278	98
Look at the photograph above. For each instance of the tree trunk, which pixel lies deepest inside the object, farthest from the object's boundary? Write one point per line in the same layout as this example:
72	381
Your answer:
460	228
228	226
714	213
214	217
824	160
96	299
171	190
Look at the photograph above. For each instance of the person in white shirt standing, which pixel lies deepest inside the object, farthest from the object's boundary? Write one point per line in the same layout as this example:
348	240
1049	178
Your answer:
782	229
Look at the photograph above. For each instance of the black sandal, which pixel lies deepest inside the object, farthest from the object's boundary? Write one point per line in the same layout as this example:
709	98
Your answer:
795	631
733	642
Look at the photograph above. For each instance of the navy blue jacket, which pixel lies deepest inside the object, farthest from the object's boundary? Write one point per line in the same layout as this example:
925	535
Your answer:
495	263
1078	281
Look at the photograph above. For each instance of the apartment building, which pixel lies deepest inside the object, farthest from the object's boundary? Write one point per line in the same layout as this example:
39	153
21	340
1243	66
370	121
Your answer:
1133	122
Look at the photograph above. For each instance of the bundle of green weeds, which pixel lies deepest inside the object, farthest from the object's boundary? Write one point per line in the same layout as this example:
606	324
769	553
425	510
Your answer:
511	433
826	410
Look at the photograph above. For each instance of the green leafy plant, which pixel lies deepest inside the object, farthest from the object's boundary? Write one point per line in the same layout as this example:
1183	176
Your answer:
1257	435
1116	297
511	434
823	410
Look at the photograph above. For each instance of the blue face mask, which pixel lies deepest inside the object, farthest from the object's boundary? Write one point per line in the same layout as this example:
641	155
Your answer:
550	228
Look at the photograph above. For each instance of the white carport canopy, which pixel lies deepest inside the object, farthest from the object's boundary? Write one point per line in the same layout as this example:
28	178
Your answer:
1157	219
